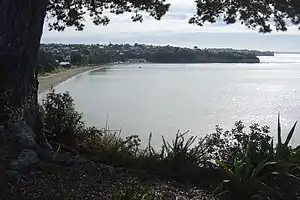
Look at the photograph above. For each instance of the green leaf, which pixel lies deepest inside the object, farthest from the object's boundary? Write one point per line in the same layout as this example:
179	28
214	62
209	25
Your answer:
293	176
260	167
275	173
297	148
272	150
238	167
226	168
279	131
290	135
247	158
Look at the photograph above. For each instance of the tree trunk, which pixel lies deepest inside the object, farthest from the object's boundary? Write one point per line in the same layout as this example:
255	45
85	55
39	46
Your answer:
21	26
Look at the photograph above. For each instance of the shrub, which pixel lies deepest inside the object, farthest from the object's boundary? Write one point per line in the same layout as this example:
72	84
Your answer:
261	168
62	122
230	145
184	156
245	180
184	152
288	172
109	148
283	150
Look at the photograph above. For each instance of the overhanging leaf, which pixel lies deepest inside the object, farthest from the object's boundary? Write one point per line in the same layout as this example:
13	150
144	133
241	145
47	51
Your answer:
290	135
279	130
261	166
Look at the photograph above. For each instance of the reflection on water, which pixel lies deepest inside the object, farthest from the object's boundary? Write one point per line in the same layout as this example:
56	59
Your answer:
162	98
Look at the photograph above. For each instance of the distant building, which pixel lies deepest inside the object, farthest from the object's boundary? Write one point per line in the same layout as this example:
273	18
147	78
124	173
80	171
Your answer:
68	58
65	64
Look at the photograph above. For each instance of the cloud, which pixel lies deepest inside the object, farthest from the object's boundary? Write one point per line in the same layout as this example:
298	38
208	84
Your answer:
178	16
174	29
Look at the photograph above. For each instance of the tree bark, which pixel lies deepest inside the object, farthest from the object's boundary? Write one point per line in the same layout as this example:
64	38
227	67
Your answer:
21	27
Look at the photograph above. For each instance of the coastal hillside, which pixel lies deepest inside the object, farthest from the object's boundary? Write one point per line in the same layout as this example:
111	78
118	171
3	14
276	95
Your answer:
101	54
245	51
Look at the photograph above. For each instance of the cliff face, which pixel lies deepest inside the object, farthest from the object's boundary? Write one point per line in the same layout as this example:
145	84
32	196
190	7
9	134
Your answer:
250	60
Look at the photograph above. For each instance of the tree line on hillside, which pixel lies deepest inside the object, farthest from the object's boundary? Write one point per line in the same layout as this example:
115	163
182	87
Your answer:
79	54
102	54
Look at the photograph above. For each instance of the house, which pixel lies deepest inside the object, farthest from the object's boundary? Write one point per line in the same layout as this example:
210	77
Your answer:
65	64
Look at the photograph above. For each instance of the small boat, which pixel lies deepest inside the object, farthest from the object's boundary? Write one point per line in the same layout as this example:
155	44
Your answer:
140	67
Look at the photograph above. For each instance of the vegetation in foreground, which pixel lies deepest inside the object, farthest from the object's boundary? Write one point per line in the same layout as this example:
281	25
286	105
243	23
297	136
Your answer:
237	164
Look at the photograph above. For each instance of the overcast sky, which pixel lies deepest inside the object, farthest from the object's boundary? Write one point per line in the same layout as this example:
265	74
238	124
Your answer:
174	29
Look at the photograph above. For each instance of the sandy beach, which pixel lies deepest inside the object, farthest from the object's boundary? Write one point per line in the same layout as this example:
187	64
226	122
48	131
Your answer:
46	82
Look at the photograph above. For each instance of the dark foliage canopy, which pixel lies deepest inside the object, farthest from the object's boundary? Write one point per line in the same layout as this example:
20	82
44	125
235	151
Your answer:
64	13
260	14
263	15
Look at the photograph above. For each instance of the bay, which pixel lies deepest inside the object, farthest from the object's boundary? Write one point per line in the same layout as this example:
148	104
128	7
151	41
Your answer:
164	98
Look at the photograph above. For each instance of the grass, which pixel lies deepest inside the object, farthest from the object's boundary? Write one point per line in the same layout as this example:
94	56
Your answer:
235	164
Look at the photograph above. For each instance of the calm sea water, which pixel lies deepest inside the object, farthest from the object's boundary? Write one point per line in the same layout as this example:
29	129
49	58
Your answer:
164	98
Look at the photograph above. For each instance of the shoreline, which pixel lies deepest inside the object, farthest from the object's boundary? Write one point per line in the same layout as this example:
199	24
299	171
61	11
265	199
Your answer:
46	82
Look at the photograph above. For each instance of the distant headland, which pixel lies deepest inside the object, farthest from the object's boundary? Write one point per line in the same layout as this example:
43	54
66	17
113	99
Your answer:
81	54
287	52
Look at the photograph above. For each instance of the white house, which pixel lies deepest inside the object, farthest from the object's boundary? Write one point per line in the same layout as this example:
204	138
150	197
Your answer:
65	64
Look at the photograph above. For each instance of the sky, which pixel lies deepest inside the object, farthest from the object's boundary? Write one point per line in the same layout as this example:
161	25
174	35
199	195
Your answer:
174	29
